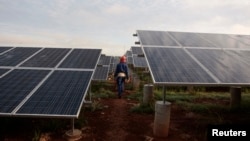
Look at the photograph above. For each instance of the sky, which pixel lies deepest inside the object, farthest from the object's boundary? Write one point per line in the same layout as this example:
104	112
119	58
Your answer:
110	24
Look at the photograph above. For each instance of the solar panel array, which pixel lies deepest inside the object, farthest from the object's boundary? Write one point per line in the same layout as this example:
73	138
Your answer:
45	82
185	58
101	73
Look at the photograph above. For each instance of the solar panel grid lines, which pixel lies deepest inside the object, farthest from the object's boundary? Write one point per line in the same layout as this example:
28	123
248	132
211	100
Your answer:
16	86
202	66
104	60
181	68
48	57
139	62
55	57
80	58
223	40
155	38
101	73
226	65
136	50
32	92
128	53
65	88
242	38
16	55
5	49
3	71
187	39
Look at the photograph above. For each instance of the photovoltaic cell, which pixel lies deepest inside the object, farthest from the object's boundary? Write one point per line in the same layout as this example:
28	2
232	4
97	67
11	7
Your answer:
104	60
101	73
227	65
188	39
223	40
129	53
2	49
2	71
137	50
15	86
242	38
60	95
129	60
155	38
16	56
82	58
174	66
139	62
48	57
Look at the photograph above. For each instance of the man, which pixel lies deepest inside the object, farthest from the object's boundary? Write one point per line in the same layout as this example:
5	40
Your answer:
121	73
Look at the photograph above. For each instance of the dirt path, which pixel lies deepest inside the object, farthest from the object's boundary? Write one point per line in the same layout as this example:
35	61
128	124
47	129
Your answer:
115	122
117	129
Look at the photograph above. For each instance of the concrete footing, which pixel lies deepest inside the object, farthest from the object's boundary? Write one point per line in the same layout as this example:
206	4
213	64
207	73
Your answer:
162	118
73	135
147	93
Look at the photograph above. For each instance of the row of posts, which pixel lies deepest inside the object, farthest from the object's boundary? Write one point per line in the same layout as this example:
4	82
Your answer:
163	108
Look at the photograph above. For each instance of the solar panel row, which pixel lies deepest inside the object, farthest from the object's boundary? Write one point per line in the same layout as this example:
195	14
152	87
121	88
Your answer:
101	73
196	58
189	39
45	81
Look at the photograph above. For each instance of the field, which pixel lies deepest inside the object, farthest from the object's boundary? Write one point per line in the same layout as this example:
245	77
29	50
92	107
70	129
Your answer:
108	118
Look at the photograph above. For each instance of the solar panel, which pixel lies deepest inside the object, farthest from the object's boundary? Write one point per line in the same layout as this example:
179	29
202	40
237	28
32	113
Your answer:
61	95
82	58
2	71
129	60
202	58
3	49
139	62
229	66
16	56
16	85
101	73
155	38
129	53
223	40
242	38
104	60
136	50
175	66
48	57
32	84
190	39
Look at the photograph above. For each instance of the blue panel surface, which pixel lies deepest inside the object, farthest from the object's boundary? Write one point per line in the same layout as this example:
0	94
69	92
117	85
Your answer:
137	50
82	58
48	57
174	66
188	39
104	60
2	71
101	73
60	95
223	40
155	38
16	56
139	62
228	66
15	86
2	49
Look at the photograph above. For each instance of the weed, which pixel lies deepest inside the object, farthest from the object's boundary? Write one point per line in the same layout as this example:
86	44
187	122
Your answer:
37	135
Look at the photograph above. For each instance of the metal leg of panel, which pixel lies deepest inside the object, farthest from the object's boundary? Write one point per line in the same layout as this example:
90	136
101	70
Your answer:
73	134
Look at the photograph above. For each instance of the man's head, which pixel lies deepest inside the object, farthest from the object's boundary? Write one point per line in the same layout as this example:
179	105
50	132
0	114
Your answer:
123	59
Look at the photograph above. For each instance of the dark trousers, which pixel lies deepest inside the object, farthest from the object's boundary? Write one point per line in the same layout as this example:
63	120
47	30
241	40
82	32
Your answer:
120	85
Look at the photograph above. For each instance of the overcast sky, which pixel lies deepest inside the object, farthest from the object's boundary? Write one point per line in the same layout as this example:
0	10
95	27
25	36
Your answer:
109	24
